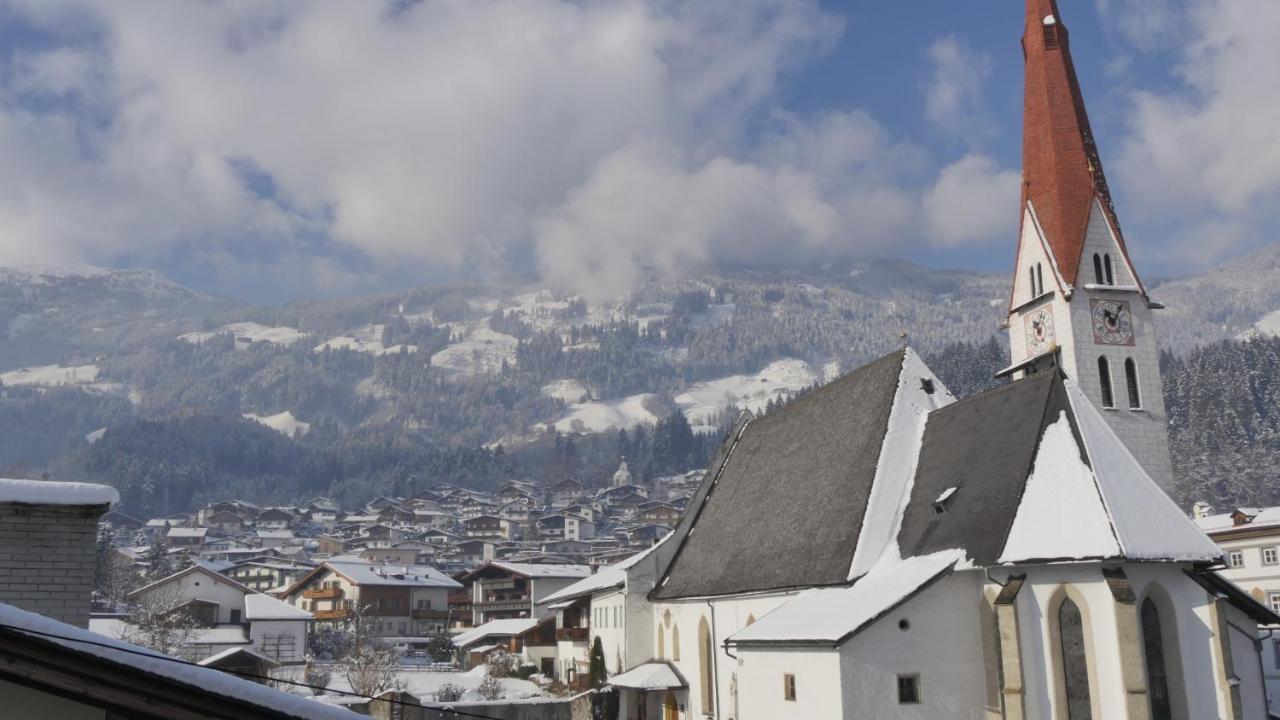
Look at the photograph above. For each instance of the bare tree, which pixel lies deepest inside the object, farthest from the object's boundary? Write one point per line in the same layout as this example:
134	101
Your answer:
160	620
370	665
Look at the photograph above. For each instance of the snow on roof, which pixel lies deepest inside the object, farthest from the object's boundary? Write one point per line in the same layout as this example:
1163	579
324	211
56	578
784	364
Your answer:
1061	514
652	675
540	570
833	614
364	573
187	532
1148	524
495	628
609	576
234	650
49	492
201	680
219	635
265	607
1261	517
276	534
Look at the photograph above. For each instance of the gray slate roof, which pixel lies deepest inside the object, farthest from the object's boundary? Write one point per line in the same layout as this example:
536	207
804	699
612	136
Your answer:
783	507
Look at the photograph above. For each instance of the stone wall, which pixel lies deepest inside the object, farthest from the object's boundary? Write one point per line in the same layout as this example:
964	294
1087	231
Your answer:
47	559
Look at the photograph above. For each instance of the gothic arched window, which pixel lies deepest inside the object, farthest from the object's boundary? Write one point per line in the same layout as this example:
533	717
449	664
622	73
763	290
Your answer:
1106	263
1039	279
662	643
1097	268
1131	380
675	642
706	653
1157	676
1034	293
1075	665
1104	381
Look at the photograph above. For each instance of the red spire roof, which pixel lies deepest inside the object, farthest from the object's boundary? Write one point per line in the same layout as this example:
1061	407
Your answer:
1061	172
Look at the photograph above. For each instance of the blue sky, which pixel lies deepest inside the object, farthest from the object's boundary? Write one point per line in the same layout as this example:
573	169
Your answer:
284	149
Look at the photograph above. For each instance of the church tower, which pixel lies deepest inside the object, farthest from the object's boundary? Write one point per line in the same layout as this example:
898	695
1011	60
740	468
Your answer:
1077	302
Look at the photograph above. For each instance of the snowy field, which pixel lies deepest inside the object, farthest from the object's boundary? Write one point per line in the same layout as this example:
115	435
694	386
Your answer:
247	333
480	352
51	375
570	391
283	422
1268	324
705	400
367	339
600	416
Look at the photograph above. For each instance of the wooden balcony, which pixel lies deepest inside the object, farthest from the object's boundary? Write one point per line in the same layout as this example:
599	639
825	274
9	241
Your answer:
331	614
572	634
322	593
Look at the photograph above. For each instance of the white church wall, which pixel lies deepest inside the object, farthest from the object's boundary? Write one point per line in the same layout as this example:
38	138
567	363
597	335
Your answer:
760	685
1247	663
942	645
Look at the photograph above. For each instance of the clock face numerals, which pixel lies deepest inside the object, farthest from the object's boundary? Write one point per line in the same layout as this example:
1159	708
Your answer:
1112	322
1039	331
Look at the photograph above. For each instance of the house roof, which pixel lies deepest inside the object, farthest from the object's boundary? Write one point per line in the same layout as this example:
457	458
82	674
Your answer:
199	567
651	675
496	628
369	574
1039	475
607	577
265	607
216	658
784	504
537	570
132	679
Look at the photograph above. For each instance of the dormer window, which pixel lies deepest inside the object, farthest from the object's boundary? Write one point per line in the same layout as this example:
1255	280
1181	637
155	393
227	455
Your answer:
940	504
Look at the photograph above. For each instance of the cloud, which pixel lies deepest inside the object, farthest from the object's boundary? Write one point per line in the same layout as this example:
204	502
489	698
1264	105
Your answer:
1201	162
972	203
954	94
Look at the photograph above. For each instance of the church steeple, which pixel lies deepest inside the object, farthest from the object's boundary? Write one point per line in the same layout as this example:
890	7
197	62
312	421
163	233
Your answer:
1061	172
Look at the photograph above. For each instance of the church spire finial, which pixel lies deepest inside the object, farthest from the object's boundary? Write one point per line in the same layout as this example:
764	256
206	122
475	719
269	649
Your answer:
1061	170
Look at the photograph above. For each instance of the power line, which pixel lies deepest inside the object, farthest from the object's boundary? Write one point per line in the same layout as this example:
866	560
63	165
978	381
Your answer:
160	656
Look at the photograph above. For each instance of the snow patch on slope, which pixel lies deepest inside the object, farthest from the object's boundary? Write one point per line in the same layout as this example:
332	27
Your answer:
703	402
51	375
601	416
1268	324
247	333
570	391
284	422
366	339
480	352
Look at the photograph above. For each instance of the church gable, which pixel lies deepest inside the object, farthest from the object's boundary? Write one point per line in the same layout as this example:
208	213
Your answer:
787	505
1103	260
1036	271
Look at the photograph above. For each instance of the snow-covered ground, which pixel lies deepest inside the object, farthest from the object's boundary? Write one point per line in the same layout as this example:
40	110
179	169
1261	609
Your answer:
247	333
1268	324
481	351
570	391
284	422
95	436
601	416
703	401
425	684
51	375
366	339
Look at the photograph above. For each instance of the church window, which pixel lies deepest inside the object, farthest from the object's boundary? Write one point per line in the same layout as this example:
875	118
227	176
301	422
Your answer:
908	689
789	687
1097	268
675	642
1153	649
1104	380
1039	279
1034	293
1106	264
1131	380
1075	666
662	642
1268	556
706	653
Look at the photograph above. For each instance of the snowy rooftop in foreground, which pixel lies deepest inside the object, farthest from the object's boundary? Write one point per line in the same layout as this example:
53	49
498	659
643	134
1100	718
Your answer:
201	680
609	576
495	628
48	492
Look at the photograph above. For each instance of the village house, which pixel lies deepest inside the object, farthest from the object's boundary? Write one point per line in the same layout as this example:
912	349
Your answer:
186	537
488	527
398	601
532	638
565	492
507	590
274	519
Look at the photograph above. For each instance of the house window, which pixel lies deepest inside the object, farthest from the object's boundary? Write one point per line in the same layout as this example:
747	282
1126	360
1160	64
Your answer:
1104	381
235	617
908	689
1153	648
1097	268
1106	264
1273	599
1131	380
1235	559
1268	556
789	687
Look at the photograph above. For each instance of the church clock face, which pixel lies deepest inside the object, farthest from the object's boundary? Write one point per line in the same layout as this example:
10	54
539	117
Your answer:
1039	331
1112	322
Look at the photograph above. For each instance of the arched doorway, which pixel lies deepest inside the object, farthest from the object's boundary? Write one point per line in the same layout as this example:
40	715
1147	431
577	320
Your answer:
670	709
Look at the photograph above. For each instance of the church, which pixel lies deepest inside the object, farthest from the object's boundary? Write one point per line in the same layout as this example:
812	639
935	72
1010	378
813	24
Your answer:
878	548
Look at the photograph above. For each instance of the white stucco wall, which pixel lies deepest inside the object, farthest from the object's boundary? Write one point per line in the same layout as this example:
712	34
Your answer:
296	629
200	586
